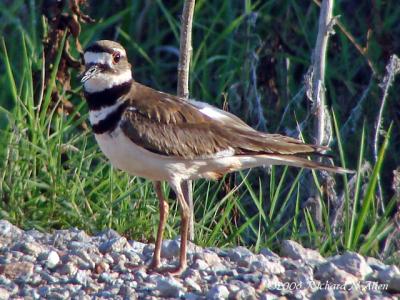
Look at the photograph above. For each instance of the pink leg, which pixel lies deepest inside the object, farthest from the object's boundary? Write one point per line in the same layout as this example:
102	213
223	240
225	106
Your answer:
164	208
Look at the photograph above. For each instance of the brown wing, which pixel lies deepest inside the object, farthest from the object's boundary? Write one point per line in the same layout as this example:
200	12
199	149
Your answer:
169	125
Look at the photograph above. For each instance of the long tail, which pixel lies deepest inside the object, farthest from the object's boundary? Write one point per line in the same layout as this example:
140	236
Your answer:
295	161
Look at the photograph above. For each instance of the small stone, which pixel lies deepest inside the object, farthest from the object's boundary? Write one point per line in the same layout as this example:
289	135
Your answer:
44	291
102	267
394	283
18	269
108	258
28	258
210	258
387	273
75	245
169	287
29	293
269	296
81	236
352	263
82	254
113	245
132	256
118	257
106	277
80	277
59	295
108	234
127	293
268	253
241	255
227	272
200	265
48	277
247	293
4	294
69	268
8	230
141	275
170	249
191	296
375	264
3	279
250	277
328	272
148	251
36	279
137	247
218	292
193	285
264	265
296	251
233	288
52	259
329	294
301	277
30	248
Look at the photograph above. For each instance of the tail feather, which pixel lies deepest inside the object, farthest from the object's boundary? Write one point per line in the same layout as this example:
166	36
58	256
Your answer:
301	162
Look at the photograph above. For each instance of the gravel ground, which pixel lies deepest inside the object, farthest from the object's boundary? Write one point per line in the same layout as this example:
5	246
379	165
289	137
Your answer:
69	264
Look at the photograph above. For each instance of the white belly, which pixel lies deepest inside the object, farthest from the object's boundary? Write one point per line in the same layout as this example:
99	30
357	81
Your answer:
127	156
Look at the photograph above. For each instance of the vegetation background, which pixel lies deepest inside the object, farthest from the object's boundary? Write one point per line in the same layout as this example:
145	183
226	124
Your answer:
250	57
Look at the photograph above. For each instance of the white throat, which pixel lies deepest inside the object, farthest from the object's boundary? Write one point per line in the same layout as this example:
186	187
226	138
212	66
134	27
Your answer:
103	81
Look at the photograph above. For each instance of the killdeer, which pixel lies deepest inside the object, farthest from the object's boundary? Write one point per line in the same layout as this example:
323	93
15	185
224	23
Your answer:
162	137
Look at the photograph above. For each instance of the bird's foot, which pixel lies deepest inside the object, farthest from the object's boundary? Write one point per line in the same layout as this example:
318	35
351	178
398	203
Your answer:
153	267
174	271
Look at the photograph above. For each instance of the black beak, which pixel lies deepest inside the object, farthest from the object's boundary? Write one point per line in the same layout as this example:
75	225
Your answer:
89	73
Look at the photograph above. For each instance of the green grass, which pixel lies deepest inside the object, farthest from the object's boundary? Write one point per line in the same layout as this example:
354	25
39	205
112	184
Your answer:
52	174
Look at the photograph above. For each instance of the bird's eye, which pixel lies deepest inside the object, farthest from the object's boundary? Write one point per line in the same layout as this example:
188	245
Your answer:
116	57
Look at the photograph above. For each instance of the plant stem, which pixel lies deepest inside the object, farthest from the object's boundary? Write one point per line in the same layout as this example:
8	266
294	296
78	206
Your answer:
321	123
185	53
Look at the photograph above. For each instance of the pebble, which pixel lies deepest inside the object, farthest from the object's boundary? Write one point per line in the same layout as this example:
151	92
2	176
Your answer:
4	294
298	252
170	249
69	264
116	244
193	285
352	263
200	264
218	292
80	277
29	248
169	287
328	272
52	259
394	283
18	269
263	264
247	292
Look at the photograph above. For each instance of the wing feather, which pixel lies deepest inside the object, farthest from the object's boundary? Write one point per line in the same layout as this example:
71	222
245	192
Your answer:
169	125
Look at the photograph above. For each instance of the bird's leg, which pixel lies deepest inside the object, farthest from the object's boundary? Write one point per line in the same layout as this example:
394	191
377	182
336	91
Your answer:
185	215
164	208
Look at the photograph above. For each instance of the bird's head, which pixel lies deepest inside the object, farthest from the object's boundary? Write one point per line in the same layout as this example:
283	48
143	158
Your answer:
106	66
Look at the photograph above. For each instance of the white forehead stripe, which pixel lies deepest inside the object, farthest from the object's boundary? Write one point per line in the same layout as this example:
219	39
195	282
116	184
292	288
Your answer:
103	81
98	58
